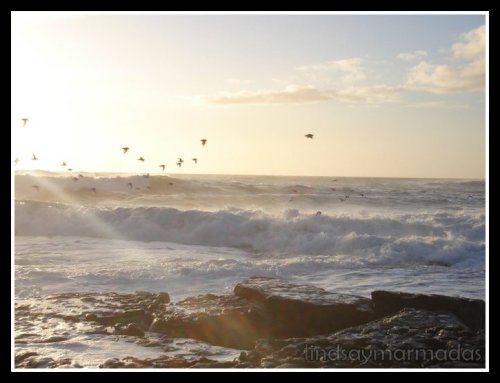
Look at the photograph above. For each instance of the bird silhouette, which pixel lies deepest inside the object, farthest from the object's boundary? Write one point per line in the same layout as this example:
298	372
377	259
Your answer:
195	160
309	135
63	164
203	141
162	167
34	157
25	121
140	159
125	149
180	160
16	161
70	169
179	164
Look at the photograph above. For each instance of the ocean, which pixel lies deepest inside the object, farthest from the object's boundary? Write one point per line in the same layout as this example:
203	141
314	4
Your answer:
193	234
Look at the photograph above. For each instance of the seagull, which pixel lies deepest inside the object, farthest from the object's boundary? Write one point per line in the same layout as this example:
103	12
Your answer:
130	185
179	164
63	164
70	169
195	160
93	189
16	161
36	187
34	157
203	141
309	135
125	149
25	121
162	167
140	159
180	160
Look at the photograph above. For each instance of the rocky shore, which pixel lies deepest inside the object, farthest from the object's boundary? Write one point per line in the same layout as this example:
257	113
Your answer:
265	323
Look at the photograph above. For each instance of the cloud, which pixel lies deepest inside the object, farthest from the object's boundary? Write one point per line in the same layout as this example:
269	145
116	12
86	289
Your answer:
469	76
411	56
471	46
308	94
437	105
352	68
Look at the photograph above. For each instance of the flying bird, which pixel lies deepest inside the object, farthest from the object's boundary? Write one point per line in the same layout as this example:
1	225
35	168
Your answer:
195	160
179	164
25	121
16	161
140	159
36	187
180	160
203	141
125	149
70	169
309	135
63	164
34	157
162	167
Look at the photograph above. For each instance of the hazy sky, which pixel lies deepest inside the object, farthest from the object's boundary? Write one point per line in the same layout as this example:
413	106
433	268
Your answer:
395	96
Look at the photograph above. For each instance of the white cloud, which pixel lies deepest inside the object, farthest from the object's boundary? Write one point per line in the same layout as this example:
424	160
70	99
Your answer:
471	45
352	68
411	56
446	78
468	76
437	105
307	94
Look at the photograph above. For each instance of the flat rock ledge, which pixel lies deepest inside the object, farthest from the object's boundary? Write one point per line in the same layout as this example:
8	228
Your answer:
274	322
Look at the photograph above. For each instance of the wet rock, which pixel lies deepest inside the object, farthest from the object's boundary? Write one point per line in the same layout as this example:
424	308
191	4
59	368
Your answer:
470	311
224	320
131	329
375	345
304	310
23	355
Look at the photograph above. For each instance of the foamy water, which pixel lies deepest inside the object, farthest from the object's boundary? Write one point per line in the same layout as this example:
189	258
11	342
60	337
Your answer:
194	234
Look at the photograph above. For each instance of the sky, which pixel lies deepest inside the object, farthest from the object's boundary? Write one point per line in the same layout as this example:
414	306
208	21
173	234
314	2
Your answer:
384	95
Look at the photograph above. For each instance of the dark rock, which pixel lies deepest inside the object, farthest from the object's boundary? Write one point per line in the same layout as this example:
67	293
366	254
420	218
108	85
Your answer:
375	345
140	317
304	310
222	320
132	329
470	311
24	355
